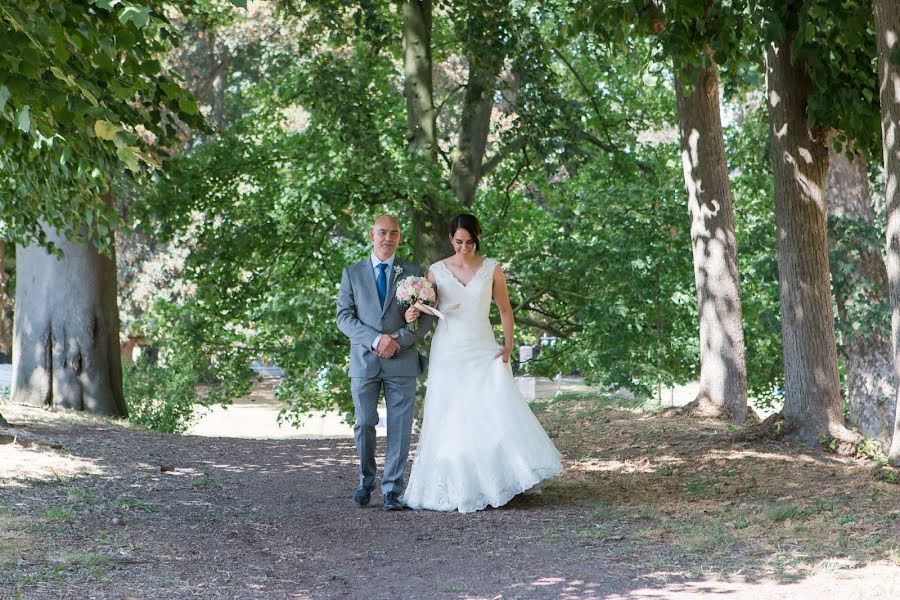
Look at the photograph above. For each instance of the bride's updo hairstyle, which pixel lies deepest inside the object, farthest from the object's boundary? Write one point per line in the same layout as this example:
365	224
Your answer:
470	224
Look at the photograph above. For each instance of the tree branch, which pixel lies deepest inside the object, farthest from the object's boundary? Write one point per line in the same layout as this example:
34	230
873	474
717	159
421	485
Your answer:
501	154
453	92
581	82
612	149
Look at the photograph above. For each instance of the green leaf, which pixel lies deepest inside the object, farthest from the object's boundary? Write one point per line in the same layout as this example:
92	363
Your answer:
106	130
170	89
24	120
58	73
240	3
129	155
105	4
188	105
139	16
4	96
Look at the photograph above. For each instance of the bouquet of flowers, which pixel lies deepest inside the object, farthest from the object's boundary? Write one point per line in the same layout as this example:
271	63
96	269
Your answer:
418	292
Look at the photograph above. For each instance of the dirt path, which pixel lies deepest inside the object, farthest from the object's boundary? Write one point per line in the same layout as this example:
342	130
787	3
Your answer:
86	512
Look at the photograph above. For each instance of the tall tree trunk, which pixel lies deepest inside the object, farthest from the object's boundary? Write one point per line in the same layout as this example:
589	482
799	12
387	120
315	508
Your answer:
723	371
887	26
66	339
6	306
812	406
428	236
5	313
417	83
474	126
860	293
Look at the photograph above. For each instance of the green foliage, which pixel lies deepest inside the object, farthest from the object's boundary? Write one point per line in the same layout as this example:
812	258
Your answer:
836	40
82	94
158	397
866	311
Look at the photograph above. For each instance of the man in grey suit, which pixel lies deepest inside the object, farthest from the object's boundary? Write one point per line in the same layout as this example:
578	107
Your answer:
383	355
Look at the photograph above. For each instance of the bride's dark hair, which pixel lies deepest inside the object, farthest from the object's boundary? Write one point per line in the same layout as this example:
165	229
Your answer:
470	224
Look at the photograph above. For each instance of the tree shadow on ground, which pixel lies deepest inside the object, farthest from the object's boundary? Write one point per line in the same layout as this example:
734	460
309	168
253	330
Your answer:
646	507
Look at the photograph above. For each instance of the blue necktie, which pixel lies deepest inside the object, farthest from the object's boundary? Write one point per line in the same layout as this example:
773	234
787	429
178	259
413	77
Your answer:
381	282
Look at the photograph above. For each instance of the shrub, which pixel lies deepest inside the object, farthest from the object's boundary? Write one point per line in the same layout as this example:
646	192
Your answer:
160	397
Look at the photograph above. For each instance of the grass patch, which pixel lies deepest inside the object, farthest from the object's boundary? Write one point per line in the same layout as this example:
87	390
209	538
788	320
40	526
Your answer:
81	559
785	512
127	502
15	542
77	493
59	514
604	510
205	481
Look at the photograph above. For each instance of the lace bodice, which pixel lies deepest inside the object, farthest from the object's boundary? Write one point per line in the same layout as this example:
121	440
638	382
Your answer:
467	306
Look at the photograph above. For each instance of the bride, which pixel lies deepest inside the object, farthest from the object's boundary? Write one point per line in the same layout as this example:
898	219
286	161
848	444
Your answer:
480	444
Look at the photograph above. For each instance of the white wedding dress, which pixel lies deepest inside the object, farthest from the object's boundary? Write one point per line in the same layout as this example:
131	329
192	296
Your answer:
480	444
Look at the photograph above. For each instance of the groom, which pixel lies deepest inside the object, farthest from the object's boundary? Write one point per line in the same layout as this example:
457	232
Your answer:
382	356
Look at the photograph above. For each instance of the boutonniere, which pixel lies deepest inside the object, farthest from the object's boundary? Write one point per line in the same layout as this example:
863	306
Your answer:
398	270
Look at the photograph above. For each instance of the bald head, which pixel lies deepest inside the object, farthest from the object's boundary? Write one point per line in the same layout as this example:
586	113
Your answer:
385	236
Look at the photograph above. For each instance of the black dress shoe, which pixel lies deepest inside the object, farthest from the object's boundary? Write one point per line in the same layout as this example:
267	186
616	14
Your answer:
362	496
392	501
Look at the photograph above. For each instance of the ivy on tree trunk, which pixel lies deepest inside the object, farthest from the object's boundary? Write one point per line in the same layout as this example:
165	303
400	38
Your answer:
887	26
859	279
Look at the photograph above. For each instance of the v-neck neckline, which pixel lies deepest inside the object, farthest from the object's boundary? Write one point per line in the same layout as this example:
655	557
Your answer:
474	275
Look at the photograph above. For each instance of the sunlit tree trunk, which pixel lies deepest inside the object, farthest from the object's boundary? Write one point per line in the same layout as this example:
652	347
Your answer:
887	26
813	406
723	371
66	332
860	293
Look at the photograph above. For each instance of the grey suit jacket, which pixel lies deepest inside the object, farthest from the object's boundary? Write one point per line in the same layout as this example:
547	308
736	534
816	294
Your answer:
361	318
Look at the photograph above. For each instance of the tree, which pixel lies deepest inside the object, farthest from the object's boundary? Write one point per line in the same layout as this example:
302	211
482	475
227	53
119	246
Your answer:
723	371
66	347
859	280
813	406
687	31
887	19
77	109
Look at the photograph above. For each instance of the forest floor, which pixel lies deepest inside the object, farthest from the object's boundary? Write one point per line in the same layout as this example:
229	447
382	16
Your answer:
648	506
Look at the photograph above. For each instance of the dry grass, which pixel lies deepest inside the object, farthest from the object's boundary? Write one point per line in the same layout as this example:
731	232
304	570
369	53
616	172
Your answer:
696	499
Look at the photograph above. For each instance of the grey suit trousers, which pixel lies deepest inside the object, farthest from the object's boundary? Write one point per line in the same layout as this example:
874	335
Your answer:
400	398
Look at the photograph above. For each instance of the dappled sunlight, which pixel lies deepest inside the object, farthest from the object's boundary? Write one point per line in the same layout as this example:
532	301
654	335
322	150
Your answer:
639	465
745	453
20	465
836	579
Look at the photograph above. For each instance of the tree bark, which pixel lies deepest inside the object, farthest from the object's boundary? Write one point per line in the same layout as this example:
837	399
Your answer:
417	82
66	331
474	126
5	314
812	406
421	141
6	306
723	370
887	27
860	293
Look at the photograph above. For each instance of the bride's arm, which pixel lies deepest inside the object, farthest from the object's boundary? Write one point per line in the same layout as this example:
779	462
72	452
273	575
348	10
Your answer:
501	297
